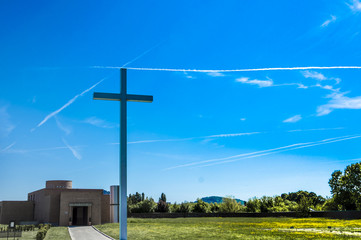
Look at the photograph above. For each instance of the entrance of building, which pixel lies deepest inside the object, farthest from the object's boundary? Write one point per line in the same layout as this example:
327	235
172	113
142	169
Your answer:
80	216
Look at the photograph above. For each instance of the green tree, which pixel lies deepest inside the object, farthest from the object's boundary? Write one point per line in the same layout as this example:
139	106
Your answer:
183	208
201	206
135	198
162	205
253	205
346	187
146	206
163	197
312	197
266	204
229	205
214	207
304	207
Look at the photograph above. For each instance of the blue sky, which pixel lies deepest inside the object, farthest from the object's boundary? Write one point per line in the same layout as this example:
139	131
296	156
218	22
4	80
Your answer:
240	133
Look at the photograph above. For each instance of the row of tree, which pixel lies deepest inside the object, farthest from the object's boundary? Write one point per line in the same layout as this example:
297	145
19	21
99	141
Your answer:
137	203
345	190
301	201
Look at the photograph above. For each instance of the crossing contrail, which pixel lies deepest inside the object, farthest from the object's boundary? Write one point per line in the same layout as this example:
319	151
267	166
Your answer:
265	152
66	105
141	55
233	70
8	147
72	149
191	138
285	150
223	135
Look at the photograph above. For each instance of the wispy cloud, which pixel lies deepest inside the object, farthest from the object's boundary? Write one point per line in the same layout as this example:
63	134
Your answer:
72	149
293	119
328	21
259	83
230	135
319	76
215	74
355	5
99	122
188	75
327	87
339	101
192	138
11	150
316	129
66	105
314	75
7	147
6	126
347	160
238	157
66	130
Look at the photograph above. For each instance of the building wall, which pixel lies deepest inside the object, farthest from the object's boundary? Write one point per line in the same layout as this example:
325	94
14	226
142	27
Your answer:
105	209
81	196
54	203
41	200
19	211
59	184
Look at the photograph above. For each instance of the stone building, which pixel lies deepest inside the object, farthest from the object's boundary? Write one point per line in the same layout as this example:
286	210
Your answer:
59	204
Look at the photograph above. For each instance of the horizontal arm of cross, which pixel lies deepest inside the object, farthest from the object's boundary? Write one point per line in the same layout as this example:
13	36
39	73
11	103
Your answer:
117	97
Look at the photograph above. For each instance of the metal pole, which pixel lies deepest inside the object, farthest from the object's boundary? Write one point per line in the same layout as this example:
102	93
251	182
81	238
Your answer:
123	156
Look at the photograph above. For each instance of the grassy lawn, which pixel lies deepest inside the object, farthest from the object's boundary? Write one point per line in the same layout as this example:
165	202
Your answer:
30	235
54	233
58	233
237	228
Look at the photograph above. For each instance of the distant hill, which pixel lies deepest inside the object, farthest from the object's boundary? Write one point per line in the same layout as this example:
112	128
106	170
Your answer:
216	199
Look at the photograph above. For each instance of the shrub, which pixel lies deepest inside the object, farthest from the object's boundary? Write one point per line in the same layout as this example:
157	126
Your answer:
43	229
146	206
162	206
253	205
214	207
229	205
184	208
304	207
201	206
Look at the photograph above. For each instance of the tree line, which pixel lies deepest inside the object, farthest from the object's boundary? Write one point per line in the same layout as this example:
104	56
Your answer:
345	190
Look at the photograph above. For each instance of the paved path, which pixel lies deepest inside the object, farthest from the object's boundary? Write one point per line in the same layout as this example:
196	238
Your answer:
85	233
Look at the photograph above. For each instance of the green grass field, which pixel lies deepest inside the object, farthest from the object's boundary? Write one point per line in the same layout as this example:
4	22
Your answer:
30	235
54	233
237	228
58	233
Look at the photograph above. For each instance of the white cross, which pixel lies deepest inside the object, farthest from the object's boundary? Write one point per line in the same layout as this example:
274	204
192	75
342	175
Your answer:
123	97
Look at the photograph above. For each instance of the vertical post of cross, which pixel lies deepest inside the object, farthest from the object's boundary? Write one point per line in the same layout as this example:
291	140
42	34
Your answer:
123	156
123	97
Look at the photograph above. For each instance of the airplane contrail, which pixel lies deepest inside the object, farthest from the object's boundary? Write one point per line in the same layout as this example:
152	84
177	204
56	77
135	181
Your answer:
224	135
233	70
285	150
72	149
8	147
191	138
266	152
66	105
141	55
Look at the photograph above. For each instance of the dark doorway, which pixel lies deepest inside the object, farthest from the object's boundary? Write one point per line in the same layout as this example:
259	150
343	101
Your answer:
80	216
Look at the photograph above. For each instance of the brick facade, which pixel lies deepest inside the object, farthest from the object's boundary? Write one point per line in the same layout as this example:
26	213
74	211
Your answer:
57	203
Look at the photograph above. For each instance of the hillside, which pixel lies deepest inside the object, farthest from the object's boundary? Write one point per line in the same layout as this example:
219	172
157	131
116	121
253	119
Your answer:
216	199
